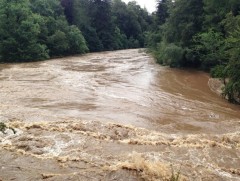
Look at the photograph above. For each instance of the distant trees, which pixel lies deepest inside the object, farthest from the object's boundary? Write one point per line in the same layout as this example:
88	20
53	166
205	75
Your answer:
162	12
36	30
109	24
184	22
40	29
203	34
101	20
58	36
19	32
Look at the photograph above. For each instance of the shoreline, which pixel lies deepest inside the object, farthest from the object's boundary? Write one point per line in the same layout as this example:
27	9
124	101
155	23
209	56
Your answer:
216	85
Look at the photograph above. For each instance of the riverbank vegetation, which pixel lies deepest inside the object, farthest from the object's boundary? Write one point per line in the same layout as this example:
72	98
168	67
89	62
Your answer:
39	29
202	34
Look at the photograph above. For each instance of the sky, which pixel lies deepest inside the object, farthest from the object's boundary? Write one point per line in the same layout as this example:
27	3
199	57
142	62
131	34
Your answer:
149	4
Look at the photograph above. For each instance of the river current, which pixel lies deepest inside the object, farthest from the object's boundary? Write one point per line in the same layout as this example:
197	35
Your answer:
114	116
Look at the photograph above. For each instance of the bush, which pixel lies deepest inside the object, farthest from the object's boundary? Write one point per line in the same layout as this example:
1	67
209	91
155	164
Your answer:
169	54
218	71
58	43
174	55
159	52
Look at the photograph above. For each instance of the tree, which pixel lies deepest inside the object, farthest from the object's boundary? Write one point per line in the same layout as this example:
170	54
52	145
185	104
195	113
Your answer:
19	31
101	20
215	11
93	42
162	11
132	20
210	49
68	9
184	22
77	43
55	31
120	40
232	89
79	14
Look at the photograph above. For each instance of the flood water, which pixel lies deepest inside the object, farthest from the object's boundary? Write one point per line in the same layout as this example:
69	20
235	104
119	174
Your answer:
125	105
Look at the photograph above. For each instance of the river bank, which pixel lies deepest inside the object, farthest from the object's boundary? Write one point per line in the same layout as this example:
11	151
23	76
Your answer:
216	85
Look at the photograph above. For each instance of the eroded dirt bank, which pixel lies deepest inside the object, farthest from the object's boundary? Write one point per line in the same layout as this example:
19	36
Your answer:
114	116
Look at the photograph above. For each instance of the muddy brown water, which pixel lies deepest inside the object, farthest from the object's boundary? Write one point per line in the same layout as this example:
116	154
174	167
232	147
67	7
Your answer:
114	116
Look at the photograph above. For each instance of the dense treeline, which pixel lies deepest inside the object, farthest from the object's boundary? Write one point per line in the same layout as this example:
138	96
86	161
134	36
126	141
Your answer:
35	30
40	29
202	34
108	24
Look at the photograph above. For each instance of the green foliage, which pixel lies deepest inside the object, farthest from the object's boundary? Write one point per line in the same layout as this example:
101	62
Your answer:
184	22
108	25
101	20
120	40
191	58
133	43
203	34
232	89
162	11
35	30
19	31
210	48
216	10
57	43
78	13
152	38
173	55
77	44
60	38
93	42
218	71
40	29
169	54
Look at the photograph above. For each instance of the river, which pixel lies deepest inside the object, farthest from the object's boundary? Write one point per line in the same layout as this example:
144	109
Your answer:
114	116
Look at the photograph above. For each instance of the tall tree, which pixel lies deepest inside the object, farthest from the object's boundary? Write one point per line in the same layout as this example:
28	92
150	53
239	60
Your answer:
101	20
68	9
80	12
162	12
184	22
232	70
132	20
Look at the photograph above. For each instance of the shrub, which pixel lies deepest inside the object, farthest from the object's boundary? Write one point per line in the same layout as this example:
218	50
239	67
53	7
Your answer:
218	71
173	55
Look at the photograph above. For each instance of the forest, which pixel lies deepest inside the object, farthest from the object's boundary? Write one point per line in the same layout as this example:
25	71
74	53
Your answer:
41	29
203	34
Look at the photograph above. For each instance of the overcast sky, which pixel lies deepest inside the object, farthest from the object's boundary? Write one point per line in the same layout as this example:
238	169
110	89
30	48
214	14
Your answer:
149	4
